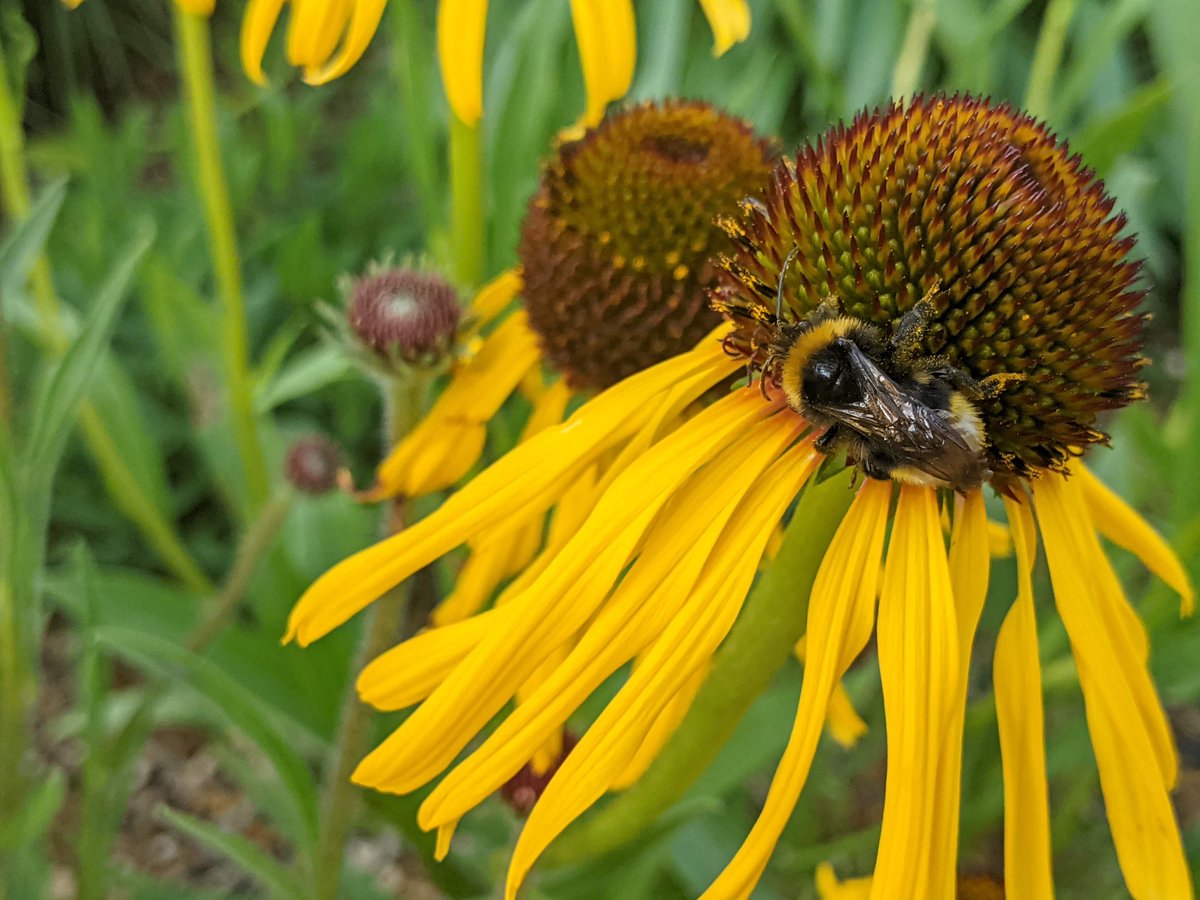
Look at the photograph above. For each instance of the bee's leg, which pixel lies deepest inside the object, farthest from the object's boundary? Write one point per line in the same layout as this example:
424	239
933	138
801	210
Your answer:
829	441
995	385
906	343
977	389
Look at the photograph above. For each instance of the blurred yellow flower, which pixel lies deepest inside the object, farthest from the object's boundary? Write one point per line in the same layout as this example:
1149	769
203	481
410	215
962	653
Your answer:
327	37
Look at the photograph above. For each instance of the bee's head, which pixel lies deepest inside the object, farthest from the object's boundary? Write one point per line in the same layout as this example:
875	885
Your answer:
828	378
819	370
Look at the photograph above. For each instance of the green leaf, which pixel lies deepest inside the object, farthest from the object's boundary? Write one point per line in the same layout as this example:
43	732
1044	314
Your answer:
240	709
305	373
277	878
55	412
21	248
1108	138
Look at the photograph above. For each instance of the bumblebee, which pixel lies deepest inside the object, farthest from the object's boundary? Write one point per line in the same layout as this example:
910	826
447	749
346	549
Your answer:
895	413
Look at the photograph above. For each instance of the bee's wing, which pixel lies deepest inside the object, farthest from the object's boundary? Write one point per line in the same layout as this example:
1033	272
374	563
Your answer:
892	415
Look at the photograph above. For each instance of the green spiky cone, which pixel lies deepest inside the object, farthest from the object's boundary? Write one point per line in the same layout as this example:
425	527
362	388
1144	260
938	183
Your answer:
1035	279
616	245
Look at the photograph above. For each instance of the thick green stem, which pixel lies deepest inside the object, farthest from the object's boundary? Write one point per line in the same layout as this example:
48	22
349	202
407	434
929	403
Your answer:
766	632
340	803
466	197
195	63
906	75
1047	56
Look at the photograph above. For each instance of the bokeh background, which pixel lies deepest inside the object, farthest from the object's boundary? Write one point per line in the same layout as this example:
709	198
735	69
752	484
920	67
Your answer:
164	767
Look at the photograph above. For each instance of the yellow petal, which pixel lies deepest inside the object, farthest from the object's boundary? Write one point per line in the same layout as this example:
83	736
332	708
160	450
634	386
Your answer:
662	729
829	888
72	4
729	20
970	548
1121	524
841	614
257	24
493	298
409	672
919	659
194	7
461	25
843	722
656	586
314	30
1017	675
519	483
999	540
451	437
364	21
1134	750
688	641
607	36
559	603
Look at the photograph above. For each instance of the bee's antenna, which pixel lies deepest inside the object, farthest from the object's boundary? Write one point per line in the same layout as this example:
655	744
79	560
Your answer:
782	275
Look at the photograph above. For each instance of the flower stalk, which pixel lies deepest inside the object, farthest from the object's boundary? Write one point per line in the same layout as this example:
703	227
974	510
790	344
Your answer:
767	630
195	62
339	807
1047	56
466	212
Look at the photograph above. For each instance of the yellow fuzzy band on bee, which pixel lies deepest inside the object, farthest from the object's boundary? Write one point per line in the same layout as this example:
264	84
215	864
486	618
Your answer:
791	374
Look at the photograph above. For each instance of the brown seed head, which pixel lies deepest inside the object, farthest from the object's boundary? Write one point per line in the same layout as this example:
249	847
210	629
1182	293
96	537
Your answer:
404	315
1035	278
616	244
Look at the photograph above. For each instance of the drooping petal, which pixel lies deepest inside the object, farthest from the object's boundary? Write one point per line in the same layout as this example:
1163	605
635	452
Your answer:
729	20
844	724
493	298
841	614
409	672
257	24
521	481
830	888
654	589
607	37
1017	673
970	549
690	638
918	635
559	602
364	22
662	729
461	25
1134	750
196	7
314	30
1121	524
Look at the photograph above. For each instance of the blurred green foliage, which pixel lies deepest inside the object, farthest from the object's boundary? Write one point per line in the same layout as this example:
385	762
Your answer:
325	181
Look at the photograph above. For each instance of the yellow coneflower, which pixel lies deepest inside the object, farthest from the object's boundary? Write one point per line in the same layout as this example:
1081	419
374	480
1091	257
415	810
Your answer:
942	267
327	37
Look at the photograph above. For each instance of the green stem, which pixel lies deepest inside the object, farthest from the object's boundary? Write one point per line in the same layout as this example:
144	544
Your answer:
1047	56
254	545
906	75
123	487
340	803
761	641
195	62
466	212
14	694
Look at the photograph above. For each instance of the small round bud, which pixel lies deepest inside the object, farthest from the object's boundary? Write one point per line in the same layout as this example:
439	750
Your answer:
403	315
312	464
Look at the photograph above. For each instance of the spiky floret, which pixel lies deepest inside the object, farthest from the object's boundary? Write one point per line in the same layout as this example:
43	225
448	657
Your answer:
616	244
1035	278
